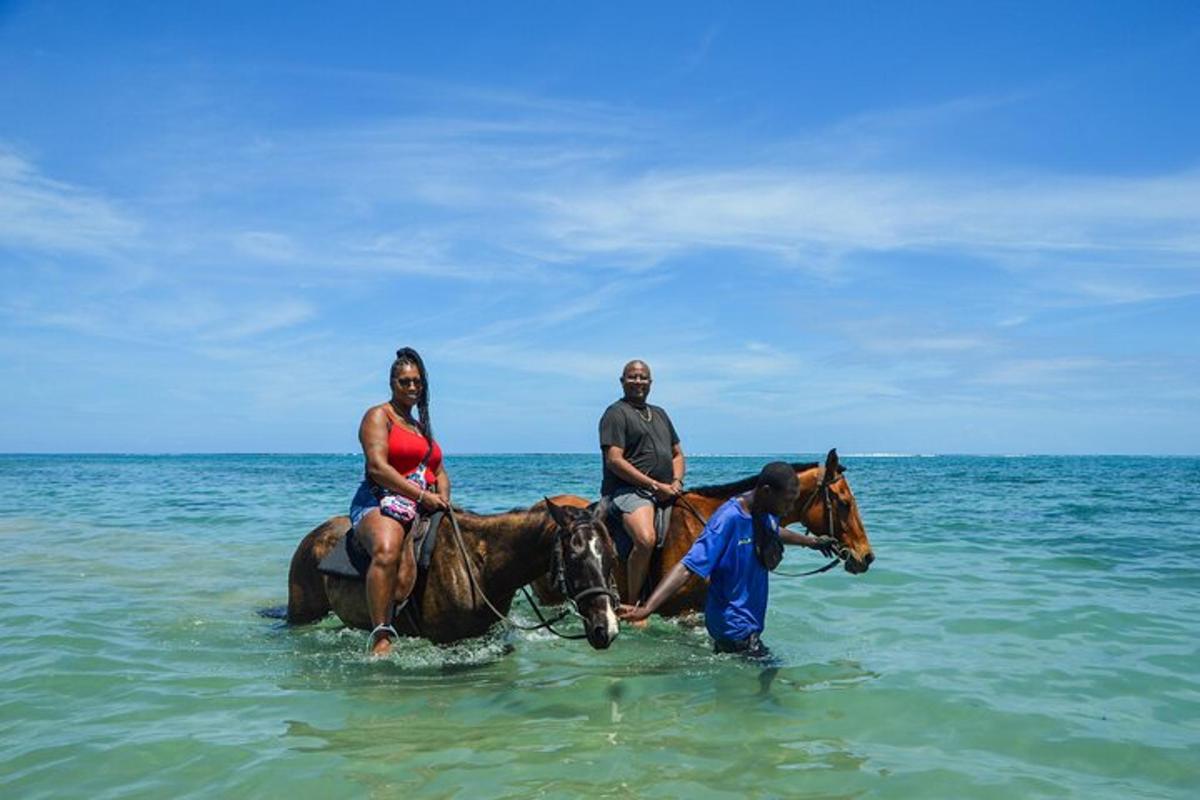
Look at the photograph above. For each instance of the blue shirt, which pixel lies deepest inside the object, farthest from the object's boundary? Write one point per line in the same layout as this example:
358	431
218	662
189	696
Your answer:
737	590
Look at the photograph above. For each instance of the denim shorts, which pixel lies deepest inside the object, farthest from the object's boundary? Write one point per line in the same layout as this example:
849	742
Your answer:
363	503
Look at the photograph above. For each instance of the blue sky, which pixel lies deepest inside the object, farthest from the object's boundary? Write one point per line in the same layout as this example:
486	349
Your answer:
886	227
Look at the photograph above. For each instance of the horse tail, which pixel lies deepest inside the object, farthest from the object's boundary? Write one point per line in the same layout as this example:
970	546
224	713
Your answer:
307	598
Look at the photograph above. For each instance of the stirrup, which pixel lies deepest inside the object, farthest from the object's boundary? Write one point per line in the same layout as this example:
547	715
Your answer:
381	629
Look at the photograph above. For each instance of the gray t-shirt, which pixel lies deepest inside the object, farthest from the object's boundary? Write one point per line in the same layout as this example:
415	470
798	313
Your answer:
648	445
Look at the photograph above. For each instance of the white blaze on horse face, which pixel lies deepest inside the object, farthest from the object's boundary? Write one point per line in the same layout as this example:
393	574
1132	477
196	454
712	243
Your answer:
612	627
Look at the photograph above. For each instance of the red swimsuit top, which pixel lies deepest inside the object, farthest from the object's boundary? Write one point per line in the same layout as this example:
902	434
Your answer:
406	449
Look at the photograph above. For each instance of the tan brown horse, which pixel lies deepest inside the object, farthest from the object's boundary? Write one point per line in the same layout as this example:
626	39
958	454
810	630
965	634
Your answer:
506	551
826	507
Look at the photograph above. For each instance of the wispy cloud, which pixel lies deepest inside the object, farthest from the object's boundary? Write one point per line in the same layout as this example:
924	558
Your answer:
1043	372
811	213
534	238
55	216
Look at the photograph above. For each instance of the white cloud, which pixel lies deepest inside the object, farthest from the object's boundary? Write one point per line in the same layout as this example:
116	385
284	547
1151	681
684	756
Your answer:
47	215
258	319
815	212
1044	372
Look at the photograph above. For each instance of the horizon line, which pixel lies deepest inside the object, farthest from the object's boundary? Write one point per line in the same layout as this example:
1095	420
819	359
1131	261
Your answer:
873	454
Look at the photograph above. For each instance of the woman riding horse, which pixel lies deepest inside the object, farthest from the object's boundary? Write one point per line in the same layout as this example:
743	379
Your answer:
478	564
404	476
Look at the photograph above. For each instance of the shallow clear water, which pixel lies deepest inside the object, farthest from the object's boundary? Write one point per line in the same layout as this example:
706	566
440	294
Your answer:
1030	629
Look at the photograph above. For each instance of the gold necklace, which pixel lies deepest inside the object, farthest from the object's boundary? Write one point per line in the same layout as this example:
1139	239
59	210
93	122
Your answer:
649	414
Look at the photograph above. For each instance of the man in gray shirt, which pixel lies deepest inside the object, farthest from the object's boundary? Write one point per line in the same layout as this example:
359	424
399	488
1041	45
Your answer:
643	467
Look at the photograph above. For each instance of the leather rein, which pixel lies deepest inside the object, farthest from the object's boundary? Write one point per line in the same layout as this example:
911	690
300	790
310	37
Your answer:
561	584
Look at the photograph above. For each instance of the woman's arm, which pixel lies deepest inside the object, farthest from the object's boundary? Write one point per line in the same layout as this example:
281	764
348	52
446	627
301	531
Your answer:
443	479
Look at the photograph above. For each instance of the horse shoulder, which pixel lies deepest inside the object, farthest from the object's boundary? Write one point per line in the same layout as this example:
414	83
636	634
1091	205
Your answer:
447	590
685	529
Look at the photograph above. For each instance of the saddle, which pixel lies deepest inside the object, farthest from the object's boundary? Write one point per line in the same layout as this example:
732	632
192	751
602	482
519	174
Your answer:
349	559
614	520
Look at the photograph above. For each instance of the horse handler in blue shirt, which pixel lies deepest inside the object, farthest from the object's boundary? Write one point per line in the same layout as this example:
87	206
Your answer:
740	544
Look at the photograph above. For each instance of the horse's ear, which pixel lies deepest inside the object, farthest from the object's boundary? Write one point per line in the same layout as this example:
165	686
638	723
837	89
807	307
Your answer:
831	465
600	515
558	514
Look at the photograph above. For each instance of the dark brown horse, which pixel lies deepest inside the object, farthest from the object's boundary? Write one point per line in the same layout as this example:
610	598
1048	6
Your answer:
456	599
826	507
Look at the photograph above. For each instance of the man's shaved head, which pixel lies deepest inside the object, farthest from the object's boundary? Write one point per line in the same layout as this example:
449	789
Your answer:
637	362
635	381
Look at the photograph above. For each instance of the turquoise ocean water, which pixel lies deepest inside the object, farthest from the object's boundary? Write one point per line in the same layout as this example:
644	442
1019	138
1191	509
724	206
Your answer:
1030	629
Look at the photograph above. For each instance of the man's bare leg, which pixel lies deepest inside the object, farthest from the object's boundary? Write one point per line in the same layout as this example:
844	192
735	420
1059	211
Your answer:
640	526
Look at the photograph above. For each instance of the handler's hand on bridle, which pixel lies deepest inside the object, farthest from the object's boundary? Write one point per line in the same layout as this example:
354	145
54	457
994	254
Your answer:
827	545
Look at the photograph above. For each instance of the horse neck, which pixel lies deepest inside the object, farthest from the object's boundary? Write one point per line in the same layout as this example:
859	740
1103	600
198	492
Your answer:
705	504
810	485
517	552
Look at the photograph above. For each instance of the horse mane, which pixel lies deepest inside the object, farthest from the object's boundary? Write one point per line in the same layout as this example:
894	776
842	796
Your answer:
720	490
503	521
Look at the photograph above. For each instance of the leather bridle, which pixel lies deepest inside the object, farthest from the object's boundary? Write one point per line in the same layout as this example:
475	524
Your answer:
558	576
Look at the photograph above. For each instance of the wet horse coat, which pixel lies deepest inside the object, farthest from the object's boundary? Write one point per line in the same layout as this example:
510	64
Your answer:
506	551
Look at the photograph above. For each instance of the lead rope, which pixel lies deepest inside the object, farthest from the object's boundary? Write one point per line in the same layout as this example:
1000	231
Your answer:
476	589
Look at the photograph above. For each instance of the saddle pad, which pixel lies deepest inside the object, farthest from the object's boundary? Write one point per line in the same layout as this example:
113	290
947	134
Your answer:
349	559
615	522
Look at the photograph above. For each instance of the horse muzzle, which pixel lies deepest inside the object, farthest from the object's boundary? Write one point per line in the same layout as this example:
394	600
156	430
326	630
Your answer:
855	565
601	624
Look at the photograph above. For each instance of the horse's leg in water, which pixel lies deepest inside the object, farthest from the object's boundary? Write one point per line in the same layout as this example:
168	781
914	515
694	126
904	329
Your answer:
640	525
384	538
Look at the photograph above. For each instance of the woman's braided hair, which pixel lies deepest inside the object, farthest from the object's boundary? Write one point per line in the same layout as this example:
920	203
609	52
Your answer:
405	356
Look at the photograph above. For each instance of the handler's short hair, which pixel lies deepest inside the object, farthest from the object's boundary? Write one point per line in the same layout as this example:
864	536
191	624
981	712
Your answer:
778	475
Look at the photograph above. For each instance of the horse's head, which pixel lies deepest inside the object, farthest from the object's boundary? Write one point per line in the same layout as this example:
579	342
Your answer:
583	567
827	507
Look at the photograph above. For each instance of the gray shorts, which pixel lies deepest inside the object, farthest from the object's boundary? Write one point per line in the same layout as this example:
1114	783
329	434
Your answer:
629	499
